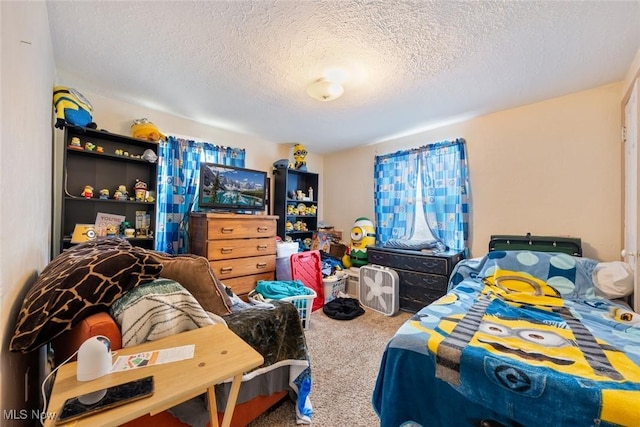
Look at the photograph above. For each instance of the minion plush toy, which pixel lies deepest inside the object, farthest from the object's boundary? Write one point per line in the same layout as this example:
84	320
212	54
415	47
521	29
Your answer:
71	108
300	154
363	234
144	129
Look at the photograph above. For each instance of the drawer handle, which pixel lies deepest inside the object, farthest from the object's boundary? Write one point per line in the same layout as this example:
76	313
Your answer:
226	250
262	247
261	265
263	229
225	270
227	230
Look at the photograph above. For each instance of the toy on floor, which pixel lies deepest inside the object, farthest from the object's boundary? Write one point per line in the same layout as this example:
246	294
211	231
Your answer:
71	108
363	234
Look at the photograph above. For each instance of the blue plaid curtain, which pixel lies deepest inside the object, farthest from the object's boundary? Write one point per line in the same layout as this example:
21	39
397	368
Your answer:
178	174
395	177
445	191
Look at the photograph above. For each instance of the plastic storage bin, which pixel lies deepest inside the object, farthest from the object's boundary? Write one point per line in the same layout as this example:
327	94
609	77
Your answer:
286	249
307	267
283	268
303	303
333	285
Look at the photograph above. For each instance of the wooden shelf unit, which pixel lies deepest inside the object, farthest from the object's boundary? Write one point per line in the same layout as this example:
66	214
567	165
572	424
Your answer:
106	170
287	183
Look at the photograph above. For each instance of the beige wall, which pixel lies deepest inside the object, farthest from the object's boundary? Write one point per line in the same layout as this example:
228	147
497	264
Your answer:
632	74
25	179
550	168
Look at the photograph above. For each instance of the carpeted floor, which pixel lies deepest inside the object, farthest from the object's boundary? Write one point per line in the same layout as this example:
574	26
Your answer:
345	357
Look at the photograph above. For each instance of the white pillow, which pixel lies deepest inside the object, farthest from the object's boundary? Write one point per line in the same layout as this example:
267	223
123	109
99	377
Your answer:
613	279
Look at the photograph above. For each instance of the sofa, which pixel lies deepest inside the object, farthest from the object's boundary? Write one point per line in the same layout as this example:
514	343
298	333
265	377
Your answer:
131	295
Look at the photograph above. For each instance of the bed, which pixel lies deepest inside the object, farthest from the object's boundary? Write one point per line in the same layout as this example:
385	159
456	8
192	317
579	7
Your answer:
521	338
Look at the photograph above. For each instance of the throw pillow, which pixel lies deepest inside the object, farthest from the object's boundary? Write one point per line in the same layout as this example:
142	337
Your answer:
156	310
194	273
79	282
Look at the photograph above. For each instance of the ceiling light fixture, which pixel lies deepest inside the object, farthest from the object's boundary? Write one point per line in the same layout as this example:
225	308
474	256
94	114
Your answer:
324	90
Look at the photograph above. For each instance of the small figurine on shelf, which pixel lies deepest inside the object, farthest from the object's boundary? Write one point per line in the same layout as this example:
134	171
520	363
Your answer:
104	193
121	193
300	195
119	152
99	149
112	230
87	193
123	226
89	146
307	243
310	193
75	143
288	226
140	190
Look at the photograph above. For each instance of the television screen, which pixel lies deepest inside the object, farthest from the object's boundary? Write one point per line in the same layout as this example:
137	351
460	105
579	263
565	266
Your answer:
231	188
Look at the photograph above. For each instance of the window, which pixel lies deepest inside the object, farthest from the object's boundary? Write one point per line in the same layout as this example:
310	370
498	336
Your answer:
423	193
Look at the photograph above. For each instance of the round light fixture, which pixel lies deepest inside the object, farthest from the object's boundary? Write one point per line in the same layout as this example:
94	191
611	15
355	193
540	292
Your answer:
324	90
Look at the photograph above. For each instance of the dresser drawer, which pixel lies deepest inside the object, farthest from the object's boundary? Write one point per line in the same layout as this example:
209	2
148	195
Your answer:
245	284
240	228
420	289
239	248
400	260
228	268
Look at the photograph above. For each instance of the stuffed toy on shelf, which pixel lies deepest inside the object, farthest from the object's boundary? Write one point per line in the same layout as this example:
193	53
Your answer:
300	154
72	108
144	129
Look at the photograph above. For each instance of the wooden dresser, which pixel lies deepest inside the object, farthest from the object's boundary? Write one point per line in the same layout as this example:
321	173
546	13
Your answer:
240	248
423	277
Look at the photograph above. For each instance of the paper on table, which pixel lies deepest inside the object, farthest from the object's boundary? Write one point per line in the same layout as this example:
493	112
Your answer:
156	357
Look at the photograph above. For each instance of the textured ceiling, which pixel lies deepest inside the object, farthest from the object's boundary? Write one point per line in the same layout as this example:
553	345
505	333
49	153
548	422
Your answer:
408	65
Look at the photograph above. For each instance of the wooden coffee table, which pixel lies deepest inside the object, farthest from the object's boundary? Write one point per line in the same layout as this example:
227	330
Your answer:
219	355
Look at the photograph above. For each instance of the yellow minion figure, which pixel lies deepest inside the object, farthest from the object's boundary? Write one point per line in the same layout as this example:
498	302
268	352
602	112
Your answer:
363	234
144	129
300	154
71	108
112	230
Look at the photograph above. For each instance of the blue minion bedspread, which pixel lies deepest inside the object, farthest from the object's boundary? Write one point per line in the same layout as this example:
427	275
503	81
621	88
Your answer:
521	338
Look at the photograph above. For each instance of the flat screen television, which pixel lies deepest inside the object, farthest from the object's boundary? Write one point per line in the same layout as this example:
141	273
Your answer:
231	188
